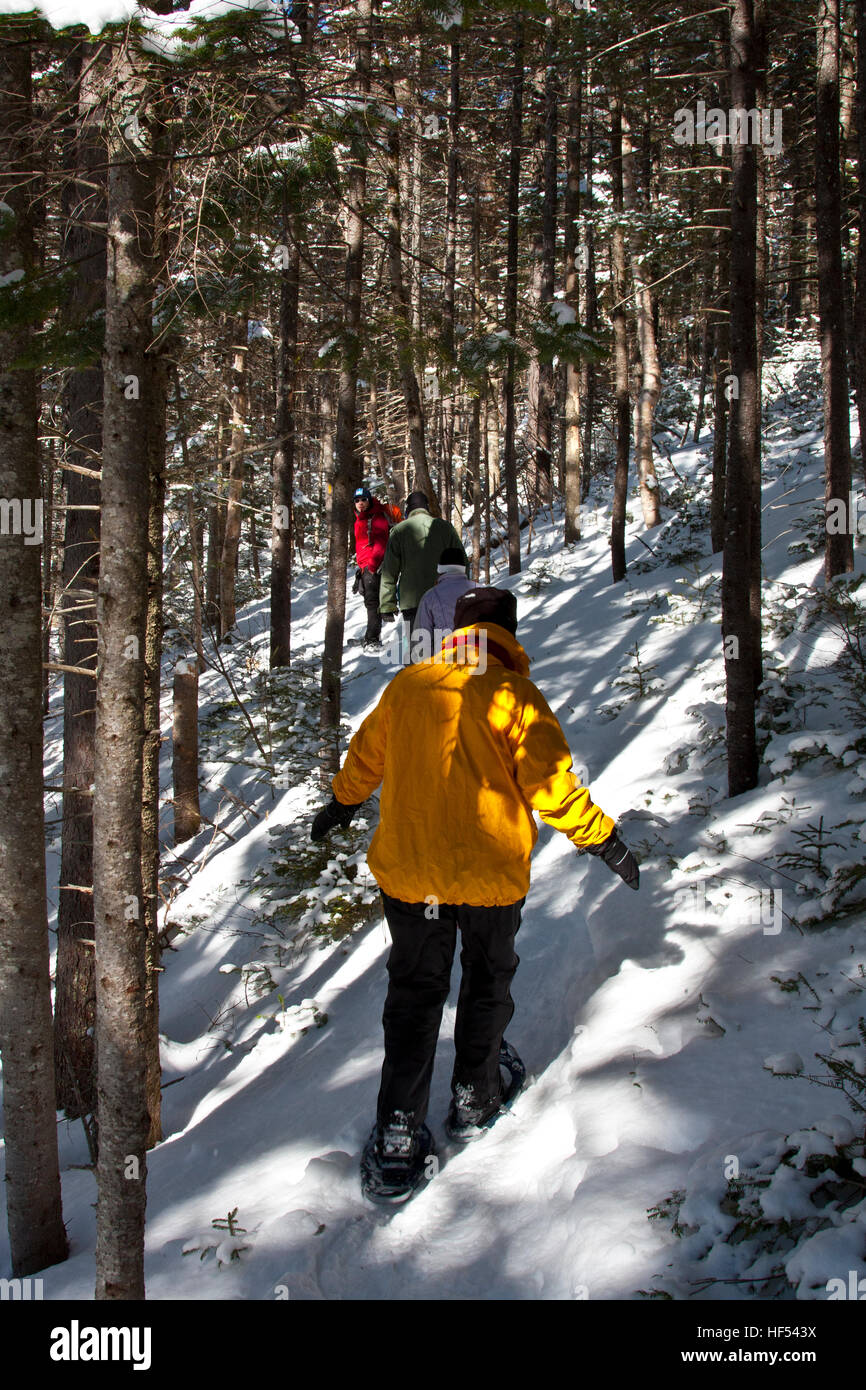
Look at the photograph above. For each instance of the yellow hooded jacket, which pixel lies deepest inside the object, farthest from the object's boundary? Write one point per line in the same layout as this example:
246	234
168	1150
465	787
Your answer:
464	754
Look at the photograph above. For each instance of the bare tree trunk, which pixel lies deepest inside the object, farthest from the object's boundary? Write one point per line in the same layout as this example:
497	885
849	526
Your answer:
237	463
706	359
150	750
724	381
48	476
572	299
377	444
193	526
541	387
216	525
84	245
650	385
485	441
509	462
448	404
284	459
797	251
417	199
184	765
744	445
620	347
402	312
761	256
473	460
860	302
590	315
121	956
33	1207
839	551
338	548
157	391
720	427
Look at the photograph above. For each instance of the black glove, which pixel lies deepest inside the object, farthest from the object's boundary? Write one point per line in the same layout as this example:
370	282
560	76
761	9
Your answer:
335	813
389	617
356	587
618	856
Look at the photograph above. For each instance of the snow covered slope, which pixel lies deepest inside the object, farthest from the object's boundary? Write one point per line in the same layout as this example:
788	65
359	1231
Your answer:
645	1020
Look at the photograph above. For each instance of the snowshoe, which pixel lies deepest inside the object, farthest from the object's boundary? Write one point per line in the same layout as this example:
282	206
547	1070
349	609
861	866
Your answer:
394	1161
467	1119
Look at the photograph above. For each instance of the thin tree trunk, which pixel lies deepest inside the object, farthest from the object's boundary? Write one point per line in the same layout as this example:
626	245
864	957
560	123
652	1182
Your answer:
860	303
474	449
338	548
706	358
448	405
720	426
216	524
650	381
743	446
723	379
402	312
761	256
572	299
47	478
417	199
839	551
797	249
184	764
195	535
509	462
541	386
620	347
150	752
284	459
590	316
485	443
83	245
377	444
237	463
121	956
33	1205
157	390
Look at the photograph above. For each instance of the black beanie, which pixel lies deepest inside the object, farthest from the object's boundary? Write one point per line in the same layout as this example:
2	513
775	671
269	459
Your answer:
453	556
417	499
487	605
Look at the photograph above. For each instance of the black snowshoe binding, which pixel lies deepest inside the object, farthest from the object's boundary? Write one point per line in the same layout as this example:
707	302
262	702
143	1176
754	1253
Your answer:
394	1161
468	1117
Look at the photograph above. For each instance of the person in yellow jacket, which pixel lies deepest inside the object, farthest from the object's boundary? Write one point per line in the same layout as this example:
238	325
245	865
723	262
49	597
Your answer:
465	748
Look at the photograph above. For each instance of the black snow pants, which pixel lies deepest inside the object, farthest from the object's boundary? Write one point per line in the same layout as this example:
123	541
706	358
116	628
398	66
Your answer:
370	590
419	971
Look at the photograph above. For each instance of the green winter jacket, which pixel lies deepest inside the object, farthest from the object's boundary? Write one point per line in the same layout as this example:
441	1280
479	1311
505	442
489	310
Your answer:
414	548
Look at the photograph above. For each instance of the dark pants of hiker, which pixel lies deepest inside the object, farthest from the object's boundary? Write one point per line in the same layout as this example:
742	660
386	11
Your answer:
419	971
370	590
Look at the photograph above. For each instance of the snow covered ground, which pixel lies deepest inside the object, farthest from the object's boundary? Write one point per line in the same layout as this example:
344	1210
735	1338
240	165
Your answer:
651	1024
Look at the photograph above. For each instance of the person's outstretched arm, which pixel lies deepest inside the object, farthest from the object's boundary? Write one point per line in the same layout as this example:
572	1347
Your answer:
358	778
543	768
364	765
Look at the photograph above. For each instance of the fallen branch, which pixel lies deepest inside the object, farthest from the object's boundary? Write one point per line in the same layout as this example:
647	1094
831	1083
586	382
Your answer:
61	666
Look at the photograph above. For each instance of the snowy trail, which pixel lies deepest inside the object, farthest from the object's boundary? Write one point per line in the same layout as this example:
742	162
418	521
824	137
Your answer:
644	1020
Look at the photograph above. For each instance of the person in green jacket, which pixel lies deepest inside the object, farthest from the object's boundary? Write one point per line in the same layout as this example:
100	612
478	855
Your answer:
411	558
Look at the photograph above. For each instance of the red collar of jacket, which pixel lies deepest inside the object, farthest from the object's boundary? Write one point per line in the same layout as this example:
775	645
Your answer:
500	644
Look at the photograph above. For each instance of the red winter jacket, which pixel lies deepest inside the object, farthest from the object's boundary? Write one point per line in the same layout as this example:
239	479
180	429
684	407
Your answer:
371	536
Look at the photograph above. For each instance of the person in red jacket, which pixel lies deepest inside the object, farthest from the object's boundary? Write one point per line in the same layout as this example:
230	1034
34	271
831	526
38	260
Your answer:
371	538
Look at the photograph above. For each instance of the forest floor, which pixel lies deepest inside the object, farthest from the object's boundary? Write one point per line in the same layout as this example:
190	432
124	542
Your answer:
663	1032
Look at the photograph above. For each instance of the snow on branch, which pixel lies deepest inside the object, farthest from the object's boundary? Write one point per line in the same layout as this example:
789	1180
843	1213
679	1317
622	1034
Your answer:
167	34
